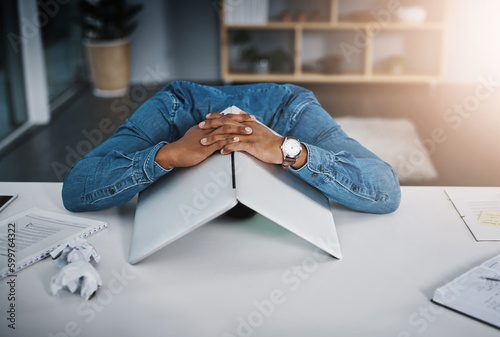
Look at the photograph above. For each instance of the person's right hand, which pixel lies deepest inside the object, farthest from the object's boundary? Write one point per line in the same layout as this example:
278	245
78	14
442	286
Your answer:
189	150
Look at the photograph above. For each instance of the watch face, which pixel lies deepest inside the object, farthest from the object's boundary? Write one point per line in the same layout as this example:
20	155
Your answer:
292	148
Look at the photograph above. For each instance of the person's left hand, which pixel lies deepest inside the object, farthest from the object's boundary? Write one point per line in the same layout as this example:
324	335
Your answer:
262	143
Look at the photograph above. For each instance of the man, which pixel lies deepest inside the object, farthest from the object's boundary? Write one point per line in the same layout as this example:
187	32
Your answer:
181	126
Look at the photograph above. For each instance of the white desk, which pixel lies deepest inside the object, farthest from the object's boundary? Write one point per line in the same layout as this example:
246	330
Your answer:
208	282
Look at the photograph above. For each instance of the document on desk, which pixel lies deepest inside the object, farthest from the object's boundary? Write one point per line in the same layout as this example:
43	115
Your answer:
30	236
475	293
479	208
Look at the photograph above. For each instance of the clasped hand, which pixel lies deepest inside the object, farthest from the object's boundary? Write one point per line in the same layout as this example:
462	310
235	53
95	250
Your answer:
224	133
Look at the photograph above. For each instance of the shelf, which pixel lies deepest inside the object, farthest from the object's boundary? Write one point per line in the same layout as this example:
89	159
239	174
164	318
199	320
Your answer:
405	78
339	47
340	78
337	26
415	52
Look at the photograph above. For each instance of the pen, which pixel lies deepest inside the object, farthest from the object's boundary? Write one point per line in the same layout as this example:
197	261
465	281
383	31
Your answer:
491	279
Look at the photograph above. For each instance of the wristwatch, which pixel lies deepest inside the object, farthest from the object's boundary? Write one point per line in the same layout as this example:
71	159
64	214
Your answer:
291	148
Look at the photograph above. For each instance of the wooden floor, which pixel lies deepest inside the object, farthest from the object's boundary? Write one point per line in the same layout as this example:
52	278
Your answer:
463	143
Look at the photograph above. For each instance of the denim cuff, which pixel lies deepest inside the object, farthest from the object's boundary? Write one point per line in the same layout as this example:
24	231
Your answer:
318	163
324	167
145	162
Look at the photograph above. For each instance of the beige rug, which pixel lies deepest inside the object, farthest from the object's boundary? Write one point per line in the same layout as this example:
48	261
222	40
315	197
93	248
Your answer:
396	142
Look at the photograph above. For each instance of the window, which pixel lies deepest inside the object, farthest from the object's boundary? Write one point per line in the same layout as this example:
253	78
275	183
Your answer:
63	52
13	112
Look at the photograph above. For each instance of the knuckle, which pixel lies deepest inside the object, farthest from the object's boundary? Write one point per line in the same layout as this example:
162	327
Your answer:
213	123
215	146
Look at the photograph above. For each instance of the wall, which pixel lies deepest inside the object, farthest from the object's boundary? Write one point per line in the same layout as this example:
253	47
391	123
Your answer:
176	39
149	42
473	43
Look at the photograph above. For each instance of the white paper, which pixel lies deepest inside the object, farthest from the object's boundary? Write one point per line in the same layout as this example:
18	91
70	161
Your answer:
473	293
470	203
77	249
37	233
79	275
76	261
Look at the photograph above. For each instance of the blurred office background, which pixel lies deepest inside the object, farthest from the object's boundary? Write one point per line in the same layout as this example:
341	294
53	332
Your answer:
437	80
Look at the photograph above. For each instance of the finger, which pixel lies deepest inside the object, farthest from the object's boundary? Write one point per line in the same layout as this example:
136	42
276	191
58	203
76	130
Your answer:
214	115
234	147
215	119
225	128
241	117
220	144
225	120
207	141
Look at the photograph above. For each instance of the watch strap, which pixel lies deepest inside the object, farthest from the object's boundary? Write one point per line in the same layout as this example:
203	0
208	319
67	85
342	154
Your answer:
287	162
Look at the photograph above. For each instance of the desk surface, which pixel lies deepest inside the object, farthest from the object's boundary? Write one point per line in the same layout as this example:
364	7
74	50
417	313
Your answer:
254	278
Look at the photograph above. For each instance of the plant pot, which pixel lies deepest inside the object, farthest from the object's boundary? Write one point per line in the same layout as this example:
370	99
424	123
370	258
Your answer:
109	64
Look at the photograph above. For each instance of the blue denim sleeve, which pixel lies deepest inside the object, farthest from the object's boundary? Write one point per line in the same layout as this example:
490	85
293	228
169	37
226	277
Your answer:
121	167
337	165
344	170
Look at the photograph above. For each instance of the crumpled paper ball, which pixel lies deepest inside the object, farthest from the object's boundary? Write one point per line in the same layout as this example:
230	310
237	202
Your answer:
78	249
77	272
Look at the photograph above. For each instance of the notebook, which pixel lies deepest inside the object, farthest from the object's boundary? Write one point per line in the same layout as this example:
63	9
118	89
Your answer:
475	293
30	236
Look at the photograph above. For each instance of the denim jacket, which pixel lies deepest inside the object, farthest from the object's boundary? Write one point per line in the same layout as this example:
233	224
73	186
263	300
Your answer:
345	171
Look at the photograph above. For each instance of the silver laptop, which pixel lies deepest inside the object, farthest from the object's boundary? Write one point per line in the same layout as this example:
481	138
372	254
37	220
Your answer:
187	198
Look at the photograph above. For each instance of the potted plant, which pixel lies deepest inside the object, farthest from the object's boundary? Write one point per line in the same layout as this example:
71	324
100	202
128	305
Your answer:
106	27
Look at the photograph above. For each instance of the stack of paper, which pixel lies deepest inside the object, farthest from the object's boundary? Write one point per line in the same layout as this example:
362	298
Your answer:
479	207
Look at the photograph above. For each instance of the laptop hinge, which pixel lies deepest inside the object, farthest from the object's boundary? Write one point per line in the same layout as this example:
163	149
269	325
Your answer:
233	176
